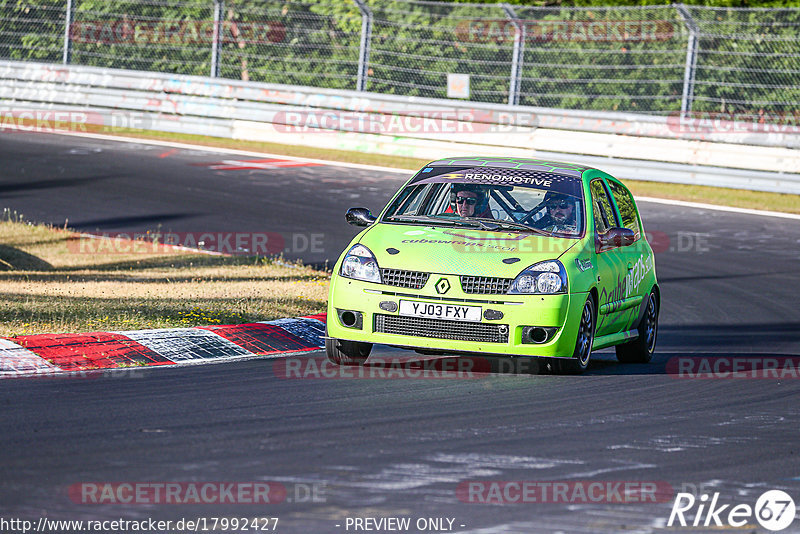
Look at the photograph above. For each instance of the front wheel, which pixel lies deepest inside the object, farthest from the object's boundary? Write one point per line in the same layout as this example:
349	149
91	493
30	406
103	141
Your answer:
641	349
583	344
342	352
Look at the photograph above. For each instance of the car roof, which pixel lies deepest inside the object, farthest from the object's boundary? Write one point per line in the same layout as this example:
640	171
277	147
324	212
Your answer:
528	164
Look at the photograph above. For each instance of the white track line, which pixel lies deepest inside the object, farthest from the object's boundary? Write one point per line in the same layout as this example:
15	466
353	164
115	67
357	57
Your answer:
218	150
378	168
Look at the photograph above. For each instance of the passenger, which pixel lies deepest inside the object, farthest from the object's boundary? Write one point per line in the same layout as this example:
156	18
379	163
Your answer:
560	216
469	201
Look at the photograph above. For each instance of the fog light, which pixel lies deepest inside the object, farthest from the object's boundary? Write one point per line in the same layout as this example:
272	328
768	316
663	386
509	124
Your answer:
538	334
350	318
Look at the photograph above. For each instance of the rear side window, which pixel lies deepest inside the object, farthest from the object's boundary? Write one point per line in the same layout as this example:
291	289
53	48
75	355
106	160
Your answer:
601	207
626	205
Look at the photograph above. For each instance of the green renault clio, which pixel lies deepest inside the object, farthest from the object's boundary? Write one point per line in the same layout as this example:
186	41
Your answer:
502	257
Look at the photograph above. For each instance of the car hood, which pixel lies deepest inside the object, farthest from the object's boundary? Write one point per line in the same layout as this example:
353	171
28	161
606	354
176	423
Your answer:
453	250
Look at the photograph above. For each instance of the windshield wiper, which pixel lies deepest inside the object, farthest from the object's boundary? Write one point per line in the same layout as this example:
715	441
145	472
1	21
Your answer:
430	218
472	222
495	225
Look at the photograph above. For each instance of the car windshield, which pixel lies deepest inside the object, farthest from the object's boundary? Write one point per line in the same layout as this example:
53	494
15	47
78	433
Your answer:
493	199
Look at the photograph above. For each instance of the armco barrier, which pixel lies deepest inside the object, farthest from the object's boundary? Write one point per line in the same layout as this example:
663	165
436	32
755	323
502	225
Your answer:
631	146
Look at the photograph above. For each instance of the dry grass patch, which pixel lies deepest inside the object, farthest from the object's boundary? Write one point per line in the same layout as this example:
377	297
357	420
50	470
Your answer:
48	285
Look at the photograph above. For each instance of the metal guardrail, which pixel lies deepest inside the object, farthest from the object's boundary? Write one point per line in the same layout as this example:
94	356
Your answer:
260	95
633	146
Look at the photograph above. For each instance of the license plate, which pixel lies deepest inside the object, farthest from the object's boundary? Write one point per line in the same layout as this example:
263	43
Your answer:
440	311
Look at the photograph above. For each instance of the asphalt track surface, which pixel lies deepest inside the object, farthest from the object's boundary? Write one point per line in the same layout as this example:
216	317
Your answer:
106	187
384	448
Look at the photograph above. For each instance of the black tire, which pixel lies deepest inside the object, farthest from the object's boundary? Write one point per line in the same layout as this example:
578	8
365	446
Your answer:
640	350
343	352
583	344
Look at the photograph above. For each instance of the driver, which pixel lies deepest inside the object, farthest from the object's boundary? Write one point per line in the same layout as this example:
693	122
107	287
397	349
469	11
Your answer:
469	201
560	216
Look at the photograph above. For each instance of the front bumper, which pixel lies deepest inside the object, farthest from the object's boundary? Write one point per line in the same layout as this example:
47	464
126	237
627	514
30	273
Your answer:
560	314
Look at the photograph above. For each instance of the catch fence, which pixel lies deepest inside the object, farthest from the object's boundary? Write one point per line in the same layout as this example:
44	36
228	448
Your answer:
656	60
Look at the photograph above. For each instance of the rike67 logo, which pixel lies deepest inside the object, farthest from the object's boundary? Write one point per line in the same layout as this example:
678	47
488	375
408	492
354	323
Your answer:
774	510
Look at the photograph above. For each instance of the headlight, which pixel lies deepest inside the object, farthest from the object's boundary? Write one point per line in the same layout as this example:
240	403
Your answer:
359	263
547	278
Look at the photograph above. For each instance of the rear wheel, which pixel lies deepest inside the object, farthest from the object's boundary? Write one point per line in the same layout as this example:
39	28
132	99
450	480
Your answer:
583	344
343	352
641	349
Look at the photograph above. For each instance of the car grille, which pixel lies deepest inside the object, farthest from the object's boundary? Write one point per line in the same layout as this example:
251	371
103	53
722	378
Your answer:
485	284
440	329
400	278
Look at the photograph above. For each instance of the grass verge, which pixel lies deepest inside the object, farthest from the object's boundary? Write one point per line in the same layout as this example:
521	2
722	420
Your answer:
739	198
50	284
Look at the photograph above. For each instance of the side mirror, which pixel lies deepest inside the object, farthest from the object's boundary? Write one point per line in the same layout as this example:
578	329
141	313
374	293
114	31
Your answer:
617	237
359	217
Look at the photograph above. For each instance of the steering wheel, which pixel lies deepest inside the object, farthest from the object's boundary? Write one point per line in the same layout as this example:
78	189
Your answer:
530	215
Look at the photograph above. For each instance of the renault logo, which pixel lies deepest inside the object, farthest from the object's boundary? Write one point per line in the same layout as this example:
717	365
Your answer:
442	286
